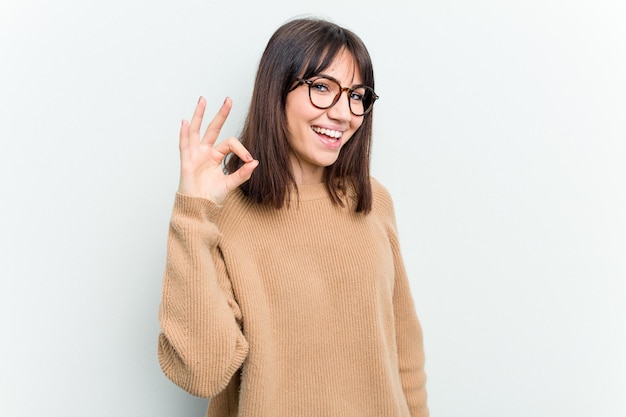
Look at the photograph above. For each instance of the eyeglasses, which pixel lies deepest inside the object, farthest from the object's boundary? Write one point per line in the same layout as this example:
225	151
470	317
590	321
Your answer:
325	92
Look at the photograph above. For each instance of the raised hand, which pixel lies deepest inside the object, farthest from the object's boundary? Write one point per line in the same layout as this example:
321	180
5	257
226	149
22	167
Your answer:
201	173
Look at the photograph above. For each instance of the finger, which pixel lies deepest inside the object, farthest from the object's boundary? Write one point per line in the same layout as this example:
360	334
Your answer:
242	175
196	119
233	145
214	128
183	141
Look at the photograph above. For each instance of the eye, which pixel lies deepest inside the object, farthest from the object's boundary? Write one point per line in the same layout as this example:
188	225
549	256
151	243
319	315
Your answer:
354	96
319	87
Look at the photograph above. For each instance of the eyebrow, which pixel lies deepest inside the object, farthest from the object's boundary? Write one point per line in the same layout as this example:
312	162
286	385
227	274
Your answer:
331	77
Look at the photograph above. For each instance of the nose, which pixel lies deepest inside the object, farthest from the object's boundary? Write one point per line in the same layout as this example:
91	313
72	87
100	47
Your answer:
341	109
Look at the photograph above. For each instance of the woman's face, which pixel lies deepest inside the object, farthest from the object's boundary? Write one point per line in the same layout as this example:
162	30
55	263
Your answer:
316	136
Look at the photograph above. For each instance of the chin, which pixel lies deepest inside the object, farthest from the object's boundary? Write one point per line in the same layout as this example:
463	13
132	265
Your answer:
326	162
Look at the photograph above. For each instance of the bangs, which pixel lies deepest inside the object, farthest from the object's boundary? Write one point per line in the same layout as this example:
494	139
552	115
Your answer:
322	51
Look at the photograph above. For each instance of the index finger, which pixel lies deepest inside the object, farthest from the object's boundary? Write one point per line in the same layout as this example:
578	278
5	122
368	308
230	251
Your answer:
214	128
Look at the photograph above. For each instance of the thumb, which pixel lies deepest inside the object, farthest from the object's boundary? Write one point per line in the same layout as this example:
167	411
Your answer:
242	175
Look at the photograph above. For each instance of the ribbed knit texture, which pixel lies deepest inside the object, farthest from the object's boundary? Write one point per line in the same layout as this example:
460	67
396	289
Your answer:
303	311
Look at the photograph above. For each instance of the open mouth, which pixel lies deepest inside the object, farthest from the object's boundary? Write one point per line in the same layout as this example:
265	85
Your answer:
333	135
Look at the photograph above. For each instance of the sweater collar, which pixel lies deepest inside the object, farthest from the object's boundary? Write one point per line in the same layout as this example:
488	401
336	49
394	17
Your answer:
310	192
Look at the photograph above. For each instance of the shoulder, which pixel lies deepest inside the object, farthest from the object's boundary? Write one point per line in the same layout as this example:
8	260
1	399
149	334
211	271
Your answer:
382	203
234	210
379	190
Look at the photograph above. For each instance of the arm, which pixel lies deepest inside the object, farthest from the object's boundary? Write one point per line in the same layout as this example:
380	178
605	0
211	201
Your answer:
409	338
201	344
409	341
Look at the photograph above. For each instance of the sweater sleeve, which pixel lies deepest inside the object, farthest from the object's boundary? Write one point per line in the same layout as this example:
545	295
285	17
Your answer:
409	341
201	344
409	337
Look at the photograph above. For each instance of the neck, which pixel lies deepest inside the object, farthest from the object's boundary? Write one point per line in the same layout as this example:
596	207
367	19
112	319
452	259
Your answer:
306	174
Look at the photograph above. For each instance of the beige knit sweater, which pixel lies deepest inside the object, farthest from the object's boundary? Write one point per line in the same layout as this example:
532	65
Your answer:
303	311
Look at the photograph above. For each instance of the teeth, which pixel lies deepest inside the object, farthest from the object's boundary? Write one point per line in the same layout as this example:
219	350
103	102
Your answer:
328	132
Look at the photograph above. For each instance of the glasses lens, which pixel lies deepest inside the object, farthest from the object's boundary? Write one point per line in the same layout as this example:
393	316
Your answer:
323	92
361	99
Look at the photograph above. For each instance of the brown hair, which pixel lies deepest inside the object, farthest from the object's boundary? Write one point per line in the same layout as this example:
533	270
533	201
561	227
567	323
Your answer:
302	48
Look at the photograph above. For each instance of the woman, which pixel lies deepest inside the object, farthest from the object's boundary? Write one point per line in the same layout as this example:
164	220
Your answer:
284	292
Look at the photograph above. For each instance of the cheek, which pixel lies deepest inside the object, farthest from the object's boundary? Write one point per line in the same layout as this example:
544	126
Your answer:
355	125
299	110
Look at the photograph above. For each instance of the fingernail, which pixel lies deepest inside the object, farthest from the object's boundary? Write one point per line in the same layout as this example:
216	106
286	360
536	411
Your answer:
200	98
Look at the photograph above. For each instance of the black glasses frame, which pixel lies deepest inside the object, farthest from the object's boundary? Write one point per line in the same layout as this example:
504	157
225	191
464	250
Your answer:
348	90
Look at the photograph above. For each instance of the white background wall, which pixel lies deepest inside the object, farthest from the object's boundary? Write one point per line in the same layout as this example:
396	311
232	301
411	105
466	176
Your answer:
501	134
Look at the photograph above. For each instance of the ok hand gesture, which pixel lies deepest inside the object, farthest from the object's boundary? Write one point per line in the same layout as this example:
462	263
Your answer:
201	173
